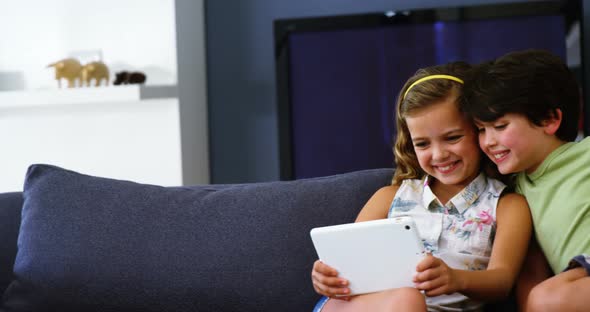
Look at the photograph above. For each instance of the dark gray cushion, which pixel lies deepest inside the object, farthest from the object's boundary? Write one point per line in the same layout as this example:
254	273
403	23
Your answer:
10	209
95	244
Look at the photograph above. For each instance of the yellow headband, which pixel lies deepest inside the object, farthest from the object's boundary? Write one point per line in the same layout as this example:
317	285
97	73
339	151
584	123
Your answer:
432	77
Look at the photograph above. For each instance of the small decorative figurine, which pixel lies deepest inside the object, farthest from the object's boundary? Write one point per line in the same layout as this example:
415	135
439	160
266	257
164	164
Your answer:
69	69
97	71
125	77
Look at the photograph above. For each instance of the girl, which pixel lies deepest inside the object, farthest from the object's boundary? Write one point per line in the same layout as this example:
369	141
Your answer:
458	209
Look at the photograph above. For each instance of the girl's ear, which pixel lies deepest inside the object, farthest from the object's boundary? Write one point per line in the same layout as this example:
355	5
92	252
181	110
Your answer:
552	124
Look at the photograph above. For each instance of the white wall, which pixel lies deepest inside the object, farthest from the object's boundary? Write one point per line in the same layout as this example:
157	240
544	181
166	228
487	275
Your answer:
130	34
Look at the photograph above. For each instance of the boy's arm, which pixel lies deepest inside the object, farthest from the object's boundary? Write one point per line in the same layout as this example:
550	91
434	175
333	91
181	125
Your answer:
535	270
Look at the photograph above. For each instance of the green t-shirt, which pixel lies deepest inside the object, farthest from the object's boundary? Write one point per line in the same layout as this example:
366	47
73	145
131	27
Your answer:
558	193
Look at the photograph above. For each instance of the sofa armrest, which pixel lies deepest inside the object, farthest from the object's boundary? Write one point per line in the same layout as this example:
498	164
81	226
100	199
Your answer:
10	214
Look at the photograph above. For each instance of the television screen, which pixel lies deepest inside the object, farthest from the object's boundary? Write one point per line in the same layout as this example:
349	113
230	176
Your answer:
338	77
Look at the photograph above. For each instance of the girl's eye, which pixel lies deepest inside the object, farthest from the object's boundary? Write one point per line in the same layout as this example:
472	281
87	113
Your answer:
481	130
500	127
420	144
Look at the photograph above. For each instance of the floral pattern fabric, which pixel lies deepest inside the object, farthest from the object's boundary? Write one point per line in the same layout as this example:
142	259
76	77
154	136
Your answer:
461	231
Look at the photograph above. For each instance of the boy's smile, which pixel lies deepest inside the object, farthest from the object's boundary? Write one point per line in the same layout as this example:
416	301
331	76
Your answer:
499	157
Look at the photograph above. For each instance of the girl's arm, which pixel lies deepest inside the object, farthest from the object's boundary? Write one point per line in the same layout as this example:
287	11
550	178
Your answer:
325	278
377	207
508	252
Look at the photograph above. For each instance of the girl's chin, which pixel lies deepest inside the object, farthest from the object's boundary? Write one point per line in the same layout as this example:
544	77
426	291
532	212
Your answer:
449	178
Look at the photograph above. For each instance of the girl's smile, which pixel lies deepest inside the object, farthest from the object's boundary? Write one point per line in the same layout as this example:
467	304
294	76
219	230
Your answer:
447	168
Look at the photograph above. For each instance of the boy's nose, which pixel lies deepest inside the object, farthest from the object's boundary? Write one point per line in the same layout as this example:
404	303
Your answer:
488	139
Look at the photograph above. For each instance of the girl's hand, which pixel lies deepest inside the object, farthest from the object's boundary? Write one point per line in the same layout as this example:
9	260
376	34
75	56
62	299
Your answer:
326	281
435	277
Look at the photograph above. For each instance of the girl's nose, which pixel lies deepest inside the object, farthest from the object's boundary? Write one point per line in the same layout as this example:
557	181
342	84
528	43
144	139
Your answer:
439	152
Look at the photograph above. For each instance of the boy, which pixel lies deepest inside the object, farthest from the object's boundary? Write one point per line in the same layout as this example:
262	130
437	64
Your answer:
526	106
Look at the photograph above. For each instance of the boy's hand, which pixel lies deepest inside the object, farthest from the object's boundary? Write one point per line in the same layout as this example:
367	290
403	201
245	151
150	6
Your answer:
435	277
326	281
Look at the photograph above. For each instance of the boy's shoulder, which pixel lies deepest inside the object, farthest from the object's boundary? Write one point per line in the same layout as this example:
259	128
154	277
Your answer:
579	149
569	154
568	161
584	142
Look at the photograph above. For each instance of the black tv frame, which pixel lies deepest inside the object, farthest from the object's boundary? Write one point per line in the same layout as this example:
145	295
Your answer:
572	10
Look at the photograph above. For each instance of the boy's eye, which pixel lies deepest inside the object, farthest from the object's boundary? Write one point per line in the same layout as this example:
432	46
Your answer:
454	137
481	130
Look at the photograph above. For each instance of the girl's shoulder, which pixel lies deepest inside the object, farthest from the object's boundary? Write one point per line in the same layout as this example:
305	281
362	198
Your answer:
511	198
413	183
387	192
495	186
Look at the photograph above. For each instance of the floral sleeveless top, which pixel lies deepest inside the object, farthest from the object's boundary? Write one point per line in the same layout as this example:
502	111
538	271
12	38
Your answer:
461	232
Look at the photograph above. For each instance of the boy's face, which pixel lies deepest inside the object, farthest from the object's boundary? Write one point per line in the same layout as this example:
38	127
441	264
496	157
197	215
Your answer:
513	143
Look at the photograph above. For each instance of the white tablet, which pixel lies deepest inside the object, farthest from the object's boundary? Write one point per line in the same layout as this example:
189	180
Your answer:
372	255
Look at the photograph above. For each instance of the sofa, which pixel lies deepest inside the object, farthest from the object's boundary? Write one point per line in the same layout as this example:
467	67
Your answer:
88	243
75	242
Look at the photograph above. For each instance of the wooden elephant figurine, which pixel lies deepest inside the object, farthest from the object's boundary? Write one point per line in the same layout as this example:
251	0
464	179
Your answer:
97	71
69	69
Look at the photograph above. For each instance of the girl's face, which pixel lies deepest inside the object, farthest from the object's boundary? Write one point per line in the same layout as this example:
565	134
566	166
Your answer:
445	143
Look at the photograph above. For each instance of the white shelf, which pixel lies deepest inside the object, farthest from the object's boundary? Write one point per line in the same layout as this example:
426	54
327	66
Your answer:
25	98
158	91
88	95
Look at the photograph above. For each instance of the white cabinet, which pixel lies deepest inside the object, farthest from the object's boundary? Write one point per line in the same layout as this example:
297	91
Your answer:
104	131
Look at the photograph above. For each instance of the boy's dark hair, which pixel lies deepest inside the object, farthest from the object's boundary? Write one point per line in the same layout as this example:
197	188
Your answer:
533	83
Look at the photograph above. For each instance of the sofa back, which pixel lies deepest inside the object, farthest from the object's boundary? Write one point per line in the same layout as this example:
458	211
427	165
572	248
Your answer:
10	211
94	244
